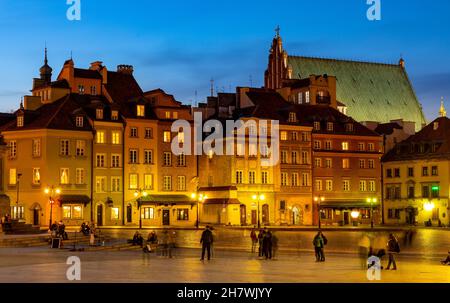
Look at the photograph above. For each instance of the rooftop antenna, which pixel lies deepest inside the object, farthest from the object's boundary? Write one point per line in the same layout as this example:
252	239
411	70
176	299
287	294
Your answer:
250	79
212	87
277	31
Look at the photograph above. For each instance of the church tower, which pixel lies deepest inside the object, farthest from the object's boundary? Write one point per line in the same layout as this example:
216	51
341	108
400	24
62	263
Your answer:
442	111
278	64
46	70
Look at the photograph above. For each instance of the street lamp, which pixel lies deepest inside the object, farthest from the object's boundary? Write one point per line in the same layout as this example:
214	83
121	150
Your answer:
51	191
319	200
259	197
138	194
371	201
199	198
17	201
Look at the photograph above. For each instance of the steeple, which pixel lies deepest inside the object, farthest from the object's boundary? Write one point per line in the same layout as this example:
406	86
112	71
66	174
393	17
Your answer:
46	70
442	111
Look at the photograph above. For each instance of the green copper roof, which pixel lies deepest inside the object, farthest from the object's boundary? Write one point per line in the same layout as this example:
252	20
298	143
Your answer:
371	91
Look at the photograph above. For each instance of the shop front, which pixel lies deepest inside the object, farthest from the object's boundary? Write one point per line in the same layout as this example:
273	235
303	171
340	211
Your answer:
167	210
74	210
349	213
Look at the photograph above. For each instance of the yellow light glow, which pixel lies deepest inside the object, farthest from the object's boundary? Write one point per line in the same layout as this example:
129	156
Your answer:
355	214
193	196
255	197
46	190
428	206
145	194
58	191
136	194
262	197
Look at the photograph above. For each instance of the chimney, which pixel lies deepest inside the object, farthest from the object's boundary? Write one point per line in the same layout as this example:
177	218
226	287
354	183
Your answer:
97	65
125	69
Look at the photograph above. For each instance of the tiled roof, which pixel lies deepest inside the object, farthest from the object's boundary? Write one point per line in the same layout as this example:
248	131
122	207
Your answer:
87	73
371	91
55	84
123	87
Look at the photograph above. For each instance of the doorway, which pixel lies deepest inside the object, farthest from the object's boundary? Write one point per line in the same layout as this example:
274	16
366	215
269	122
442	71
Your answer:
36	216
346	218
129	213
297	216
243	214
254	217
99	215
166	217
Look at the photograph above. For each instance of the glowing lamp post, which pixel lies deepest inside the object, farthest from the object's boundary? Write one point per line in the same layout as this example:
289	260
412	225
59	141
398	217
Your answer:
258	197
319	200
371	201
138	195
199	198
51	191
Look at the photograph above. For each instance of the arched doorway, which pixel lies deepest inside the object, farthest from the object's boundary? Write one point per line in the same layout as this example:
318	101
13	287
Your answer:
243	214
99	214
35	213
265	214
129	213
297	216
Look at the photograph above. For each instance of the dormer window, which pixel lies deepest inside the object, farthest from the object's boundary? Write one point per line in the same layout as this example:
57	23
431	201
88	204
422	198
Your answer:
81	89
140	111
292	117
167	115
79	121
93	90
316	125
307	97
349	127
99	113
435	125
114	115
330	126
20	120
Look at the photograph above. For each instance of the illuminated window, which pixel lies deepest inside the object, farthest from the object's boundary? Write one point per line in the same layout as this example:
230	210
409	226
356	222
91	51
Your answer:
36	176
80	147
181	184
64	148
115	213
180	137
148	156
77	212
294	179
148	213
100	137
20	121
167	115
183	214
100	184
344	145
115	137
362	185
67	212
36	147
133	182
81	89
115	115
167	183
140	110
64	176
307	97
305	179
284	179
79	121
166	136
99	113
115	184
346	185
148	181
283	135
319	185
329	185
79	176
345	163
12	176
175	115
12	149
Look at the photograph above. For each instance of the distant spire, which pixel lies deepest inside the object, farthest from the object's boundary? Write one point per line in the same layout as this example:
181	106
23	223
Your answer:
45	56
212	87
442	111
277	32
21	103
46	70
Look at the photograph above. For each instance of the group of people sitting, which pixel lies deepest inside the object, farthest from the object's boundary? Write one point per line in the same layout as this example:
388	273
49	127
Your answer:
164	244
58	230
85	229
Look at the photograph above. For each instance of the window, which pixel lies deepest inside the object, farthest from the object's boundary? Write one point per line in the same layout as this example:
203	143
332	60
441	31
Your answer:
397	172
148	133
319	185
362	185
20	121
372	186
166	136
317	144
79	121
305	157
12	176
100	160
99	113
133	156
328	163
79	176
115	213
114	115
167	159
181	160
284	157
425	191
148	213
435	191
133	182
36	147
140	110
434	170
64	176
292	117
346	185
361	146
67	212
12	149
305	179
72	212
148	156
80	147
294	136
294	157
389	173
411	191
410	171
425	171
180	137
283	135
167	183
330	126
100	137
264	177
345	163
167	115
328	145
300	98
183	214
133	132
115	161
344	145
329	185
362	163
317	162
175	115
181	184
115	184
349	127
100	184
64	148
239	177
36	176
148	181
115	137
305	136
294	179
316	125
264	151
81	89
251	177
307	96
371	163
371	147
284	179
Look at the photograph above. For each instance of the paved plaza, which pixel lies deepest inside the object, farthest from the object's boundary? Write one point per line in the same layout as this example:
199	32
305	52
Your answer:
47	265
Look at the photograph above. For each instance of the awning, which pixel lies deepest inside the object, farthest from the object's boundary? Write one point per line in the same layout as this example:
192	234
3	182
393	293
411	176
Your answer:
75	199
166	199
221	201
347	204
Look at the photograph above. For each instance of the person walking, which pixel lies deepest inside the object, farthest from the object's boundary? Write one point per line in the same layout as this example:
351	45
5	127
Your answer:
267	244
254	239
206	240
318	246
393	249
260	242
322	250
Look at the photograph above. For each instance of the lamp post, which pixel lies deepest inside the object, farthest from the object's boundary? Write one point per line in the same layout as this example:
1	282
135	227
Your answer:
258	197
371	201
138	194
51	191
199	198
17	201
318	200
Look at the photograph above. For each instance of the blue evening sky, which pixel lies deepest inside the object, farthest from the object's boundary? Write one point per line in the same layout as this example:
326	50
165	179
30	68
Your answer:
179	45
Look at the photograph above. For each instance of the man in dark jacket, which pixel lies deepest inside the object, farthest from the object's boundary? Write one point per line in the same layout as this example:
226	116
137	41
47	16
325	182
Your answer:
393	249
267	244
206	241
